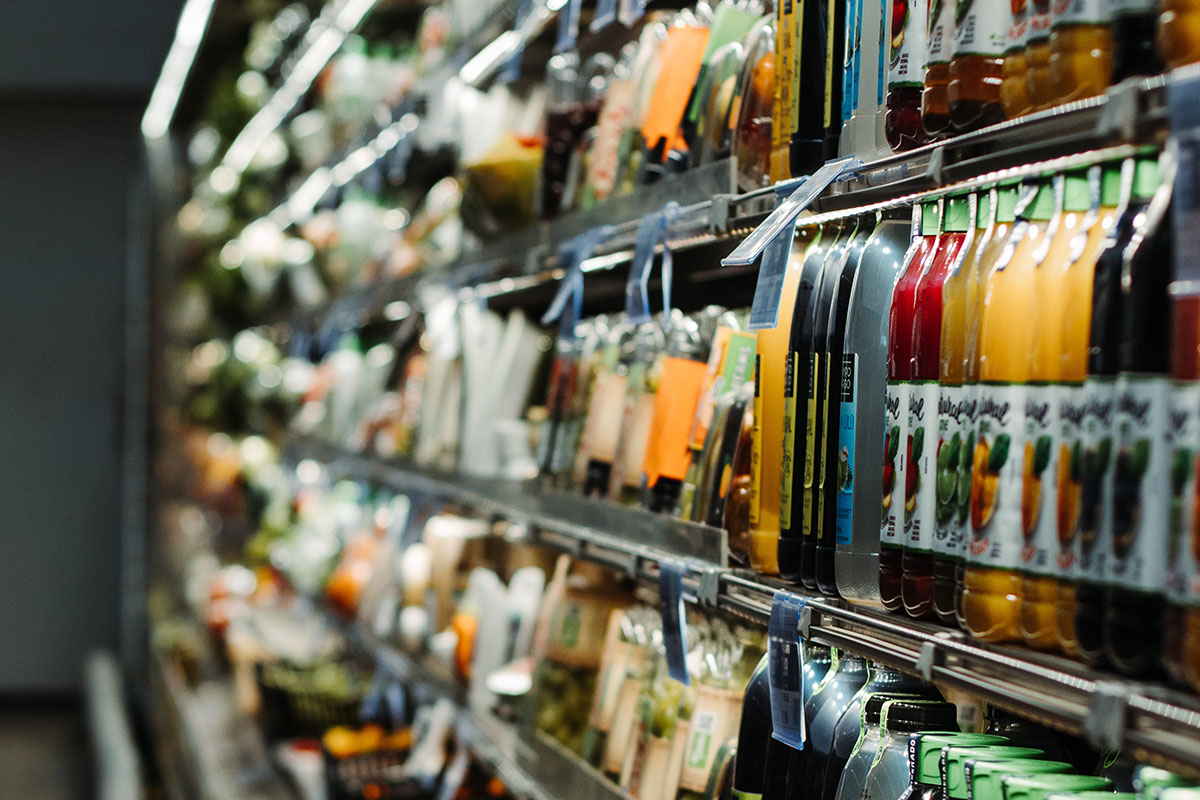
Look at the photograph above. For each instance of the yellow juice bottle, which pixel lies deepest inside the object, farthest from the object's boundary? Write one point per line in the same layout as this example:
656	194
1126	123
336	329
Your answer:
1075	324
992	578
1039	500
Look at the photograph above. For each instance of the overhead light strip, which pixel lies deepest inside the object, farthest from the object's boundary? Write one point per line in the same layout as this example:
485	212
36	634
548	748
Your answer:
189	33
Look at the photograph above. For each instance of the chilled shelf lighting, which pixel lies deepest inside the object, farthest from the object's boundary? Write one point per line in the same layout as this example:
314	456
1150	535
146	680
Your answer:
189	33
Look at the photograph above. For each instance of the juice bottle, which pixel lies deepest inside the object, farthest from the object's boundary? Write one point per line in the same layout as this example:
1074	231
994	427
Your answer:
817	384
754	732
812	69
1014	91
1081	49
1142	452
980	39
991	582
1038	83
1179	32
1072	397
768	421
1134	50
955	410
819	664
1138	181
864	377
785	51
897	443
836	45
834	473
916	587
935	99
906	74
796	407
1039	506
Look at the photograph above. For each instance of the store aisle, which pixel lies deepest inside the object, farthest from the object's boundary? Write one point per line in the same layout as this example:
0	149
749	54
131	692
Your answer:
43	754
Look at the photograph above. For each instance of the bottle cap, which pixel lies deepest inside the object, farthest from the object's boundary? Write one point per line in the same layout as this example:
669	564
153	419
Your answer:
956	217
954	781
1110	185
930	222
1038	787
1075	191
983	777
929	751
1150	781
1180	793
1042	207
873	706
1006	203
1145	178
983	209
1098	795
913	716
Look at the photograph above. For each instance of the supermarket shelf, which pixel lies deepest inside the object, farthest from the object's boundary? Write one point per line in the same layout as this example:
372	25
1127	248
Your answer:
532	766
1149	722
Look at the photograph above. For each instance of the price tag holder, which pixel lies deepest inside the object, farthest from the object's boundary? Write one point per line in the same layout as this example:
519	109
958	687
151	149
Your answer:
784	674
1183	105
631	11
568	300
568	26
768	291
674	621
512	68
652	231
604	15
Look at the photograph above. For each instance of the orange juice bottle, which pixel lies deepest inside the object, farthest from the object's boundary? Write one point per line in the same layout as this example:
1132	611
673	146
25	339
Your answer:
1081	49
1179	32
992	580
1037	56
1014	92
767	448
1039	500
1104	188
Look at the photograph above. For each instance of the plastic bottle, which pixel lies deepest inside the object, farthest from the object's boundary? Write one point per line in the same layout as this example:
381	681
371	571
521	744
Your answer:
1134	47
935	96
1038	787
1039	508
834	85
866	748
822	713
1142	469
926	767
796	408
991	582
897	440
916	587
754	733
1014	90
781	758
1150	782
1179	32
1076	319
954	760
865	135
980	39
1093	795
811	69
1138	181
1038	82
1081	49
864	376
985	777
906	75
768	419
954	414
891	769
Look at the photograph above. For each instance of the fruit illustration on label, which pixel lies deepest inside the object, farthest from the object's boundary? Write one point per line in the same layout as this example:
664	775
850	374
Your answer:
845	473
1037	458
1095	464
965	479
891	447
1018	8
1181	466
948	476
912	475
961	9
985	481
1068	493
899	21
1127	495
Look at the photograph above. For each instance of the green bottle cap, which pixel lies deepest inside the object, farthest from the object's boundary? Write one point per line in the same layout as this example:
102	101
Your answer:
1110	185
1150	781
1093	795
1180	793
1006	203
957	214
1042	207
983	777
1075	191
1039	787
929	751
983	209
954	780
355	44
1145	178
930	223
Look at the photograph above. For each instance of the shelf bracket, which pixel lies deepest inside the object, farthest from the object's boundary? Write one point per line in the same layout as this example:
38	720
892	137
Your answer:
926	660
1104	725
718	213
937	163
710	586
1118	118
804	620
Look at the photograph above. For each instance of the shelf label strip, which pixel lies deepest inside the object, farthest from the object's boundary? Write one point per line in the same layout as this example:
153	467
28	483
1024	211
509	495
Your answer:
674	620
783	670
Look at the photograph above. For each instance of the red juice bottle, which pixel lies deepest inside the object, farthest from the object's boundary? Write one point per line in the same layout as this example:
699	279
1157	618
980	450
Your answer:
906	75
916	587
897	440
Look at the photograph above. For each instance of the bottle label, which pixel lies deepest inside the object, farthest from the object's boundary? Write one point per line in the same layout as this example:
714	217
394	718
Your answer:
788	467
996	477
810	430
1183	544
1072	405
1039	21
1080	12
714	720
823	471
1095	490
1141	475
980	28
1018	29
906	66
1039	497
1121	8
921	489
895	455
846	433
956	442
756	443
941	31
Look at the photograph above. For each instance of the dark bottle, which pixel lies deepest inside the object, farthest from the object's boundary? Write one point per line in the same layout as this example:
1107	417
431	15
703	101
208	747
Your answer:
1135	605
783	761
1021	732
977	64
831	475
754	736
1137	185
836	42
795	427
822	713
811	70
906	75
890	774
1135	23
882	682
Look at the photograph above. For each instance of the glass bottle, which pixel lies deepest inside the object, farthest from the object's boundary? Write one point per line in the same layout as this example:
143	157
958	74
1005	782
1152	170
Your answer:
1081	49
980	39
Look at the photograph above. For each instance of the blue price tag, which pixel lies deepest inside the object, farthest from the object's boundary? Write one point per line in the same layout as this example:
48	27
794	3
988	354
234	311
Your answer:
674	621
568	26
512	68
604	15
783	670
768	291
631	11
397	707
652	231
568	300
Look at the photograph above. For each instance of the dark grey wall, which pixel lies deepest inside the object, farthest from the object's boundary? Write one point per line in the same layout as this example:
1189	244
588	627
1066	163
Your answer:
74	76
